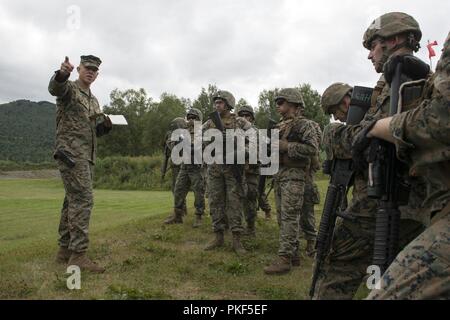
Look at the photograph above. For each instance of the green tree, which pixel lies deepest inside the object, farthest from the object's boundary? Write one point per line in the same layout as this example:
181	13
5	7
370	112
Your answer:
204	101
158	120
313	108
126	140
242	102
266	108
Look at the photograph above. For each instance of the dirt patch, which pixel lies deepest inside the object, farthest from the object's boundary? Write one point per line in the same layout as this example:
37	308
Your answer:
31	174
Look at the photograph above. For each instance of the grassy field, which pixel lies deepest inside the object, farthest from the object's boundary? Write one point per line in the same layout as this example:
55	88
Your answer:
144	259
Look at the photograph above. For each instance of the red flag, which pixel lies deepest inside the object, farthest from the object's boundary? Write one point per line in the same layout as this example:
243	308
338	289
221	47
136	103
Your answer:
430	45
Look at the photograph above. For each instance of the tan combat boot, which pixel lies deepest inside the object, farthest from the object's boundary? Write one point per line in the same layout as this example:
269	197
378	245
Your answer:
177	217
198	221
217	242
63	255
237	244
268	215
310	248
81	260
281	265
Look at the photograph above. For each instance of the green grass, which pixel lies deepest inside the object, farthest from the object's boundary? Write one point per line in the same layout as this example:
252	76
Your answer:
144	259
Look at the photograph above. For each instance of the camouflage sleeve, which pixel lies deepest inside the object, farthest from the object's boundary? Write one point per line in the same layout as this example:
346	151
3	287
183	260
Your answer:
206	125
424	132
308	145
338	139
59	88
243	123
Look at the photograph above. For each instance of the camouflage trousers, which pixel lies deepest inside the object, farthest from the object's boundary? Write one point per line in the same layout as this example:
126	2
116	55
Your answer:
77	206
190	176
345	267
289	201
421	270
175	171
225	198
250	202
307	217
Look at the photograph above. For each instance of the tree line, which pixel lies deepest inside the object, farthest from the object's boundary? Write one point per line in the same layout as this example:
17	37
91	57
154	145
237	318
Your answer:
27	129
148	120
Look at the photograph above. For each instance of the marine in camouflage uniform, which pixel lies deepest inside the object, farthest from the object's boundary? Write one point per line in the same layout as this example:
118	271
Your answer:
225	192
177	123
422	138
311	197
352	245
79	121
298	143
190	176
251	178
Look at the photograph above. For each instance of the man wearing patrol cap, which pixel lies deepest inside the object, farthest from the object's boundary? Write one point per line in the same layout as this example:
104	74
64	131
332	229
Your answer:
79	121
190	175
298	143
225	191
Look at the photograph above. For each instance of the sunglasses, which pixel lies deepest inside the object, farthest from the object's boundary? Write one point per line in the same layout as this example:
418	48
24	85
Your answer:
191	117
280	102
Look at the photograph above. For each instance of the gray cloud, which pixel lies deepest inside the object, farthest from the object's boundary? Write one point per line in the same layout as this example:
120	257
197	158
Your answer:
180	46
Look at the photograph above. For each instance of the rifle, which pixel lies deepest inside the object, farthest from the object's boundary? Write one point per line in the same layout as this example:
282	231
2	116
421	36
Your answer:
263	178
165	162
341	178
385	171
236	169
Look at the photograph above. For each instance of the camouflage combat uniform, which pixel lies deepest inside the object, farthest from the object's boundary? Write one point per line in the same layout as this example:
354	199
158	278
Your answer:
175	168
352	246
311	197
190	176
422	137
76	113
290	180
251	178
225	191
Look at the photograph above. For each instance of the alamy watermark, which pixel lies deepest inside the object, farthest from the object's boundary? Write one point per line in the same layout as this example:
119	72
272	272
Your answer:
374	279
73	21
73	282
235	146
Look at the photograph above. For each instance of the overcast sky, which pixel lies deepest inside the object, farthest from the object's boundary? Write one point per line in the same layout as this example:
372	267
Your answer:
180	46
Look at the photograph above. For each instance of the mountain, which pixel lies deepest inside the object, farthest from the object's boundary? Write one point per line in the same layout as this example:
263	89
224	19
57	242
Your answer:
27	131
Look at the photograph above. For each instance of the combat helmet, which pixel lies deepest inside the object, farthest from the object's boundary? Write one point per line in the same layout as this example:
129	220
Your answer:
227	97
391	24
292	95
246	108
195	112
333	95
